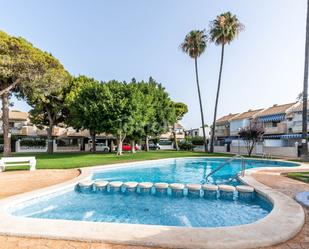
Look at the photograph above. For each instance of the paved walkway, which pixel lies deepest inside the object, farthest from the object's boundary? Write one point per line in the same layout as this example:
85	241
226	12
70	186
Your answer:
16	182
23	181
289	187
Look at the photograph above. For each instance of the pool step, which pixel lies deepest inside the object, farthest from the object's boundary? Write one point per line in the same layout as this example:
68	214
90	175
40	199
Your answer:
208	191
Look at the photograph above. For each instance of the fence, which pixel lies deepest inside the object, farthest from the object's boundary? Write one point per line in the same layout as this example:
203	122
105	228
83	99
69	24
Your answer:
36	149
260	150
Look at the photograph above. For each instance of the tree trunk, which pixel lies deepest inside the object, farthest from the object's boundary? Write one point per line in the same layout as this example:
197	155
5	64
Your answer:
132	146
10	87
147	143
112	146
119	145
50	142
201	106
213	128
6	125
175	138
94	147
305	93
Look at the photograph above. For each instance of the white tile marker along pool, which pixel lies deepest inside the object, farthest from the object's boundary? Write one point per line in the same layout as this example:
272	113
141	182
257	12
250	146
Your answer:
129	195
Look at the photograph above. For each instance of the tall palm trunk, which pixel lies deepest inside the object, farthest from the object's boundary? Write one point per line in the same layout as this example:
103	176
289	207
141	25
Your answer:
201	106
6	125
305	92
213	128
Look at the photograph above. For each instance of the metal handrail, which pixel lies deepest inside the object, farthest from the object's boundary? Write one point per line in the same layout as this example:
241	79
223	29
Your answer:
243	166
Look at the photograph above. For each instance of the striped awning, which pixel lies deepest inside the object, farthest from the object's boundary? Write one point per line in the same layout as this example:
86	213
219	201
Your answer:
272	136
272	118
289	136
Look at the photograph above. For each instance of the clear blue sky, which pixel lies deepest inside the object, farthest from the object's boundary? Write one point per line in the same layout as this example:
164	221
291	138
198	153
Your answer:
137	38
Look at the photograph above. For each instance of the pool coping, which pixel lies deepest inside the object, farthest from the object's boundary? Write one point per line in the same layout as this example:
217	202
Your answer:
284	221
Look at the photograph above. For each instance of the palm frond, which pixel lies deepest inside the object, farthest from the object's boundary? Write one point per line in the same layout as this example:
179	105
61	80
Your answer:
194	43
225	28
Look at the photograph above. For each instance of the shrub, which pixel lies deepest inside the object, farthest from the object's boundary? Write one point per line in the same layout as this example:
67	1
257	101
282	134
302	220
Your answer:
186	145
197	140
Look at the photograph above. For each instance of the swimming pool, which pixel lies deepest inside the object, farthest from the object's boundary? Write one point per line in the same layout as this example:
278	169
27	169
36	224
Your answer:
151	209
184	170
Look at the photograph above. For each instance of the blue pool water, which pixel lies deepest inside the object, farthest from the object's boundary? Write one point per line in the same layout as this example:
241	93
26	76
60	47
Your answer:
150	209
184	170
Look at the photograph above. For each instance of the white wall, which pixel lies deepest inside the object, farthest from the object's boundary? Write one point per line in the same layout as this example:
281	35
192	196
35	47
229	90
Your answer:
281	151
220	149
239	142
274	142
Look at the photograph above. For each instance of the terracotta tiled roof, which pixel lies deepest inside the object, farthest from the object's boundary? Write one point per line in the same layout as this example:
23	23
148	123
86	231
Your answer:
275	109
298	107
226	118
178	126
17	115
247	114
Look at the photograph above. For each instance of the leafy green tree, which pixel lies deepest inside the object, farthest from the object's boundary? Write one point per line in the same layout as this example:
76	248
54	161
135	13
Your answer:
160	110
86	106
148	110
48	107
20	65
140	117
224	29
180	110
122	110
194	45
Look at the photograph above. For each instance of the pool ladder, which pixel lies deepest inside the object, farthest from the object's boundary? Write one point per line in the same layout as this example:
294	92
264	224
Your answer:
242	173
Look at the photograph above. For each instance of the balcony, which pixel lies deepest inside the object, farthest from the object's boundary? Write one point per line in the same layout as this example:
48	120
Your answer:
296	126
222	132
280	129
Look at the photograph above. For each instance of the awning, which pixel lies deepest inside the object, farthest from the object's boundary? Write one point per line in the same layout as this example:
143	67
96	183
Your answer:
272	118
289	136
272	136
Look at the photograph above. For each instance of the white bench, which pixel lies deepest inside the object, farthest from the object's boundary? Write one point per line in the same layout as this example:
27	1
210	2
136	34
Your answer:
17	161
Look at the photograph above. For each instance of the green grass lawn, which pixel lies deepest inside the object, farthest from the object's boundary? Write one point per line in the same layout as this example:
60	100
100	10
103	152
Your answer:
301	176
77	160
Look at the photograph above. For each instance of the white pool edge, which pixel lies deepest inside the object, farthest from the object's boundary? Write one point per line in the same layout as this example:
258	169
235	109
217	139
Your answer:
284	221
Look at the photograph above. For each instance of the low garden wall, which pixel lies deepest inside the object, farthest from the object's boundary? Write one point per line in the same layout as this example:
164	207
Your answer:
281	151
272	151
30	146
67	148
220	149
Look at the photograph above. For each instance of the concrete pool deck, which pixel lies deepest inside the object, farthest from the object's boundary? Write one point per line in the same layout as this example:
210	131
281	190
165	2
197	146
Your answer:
100	245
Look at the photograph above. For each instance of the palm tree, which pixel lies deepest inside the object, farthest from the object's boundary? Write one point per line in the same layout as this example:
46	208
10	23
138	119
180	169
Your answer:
194	45
223	30
305	92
